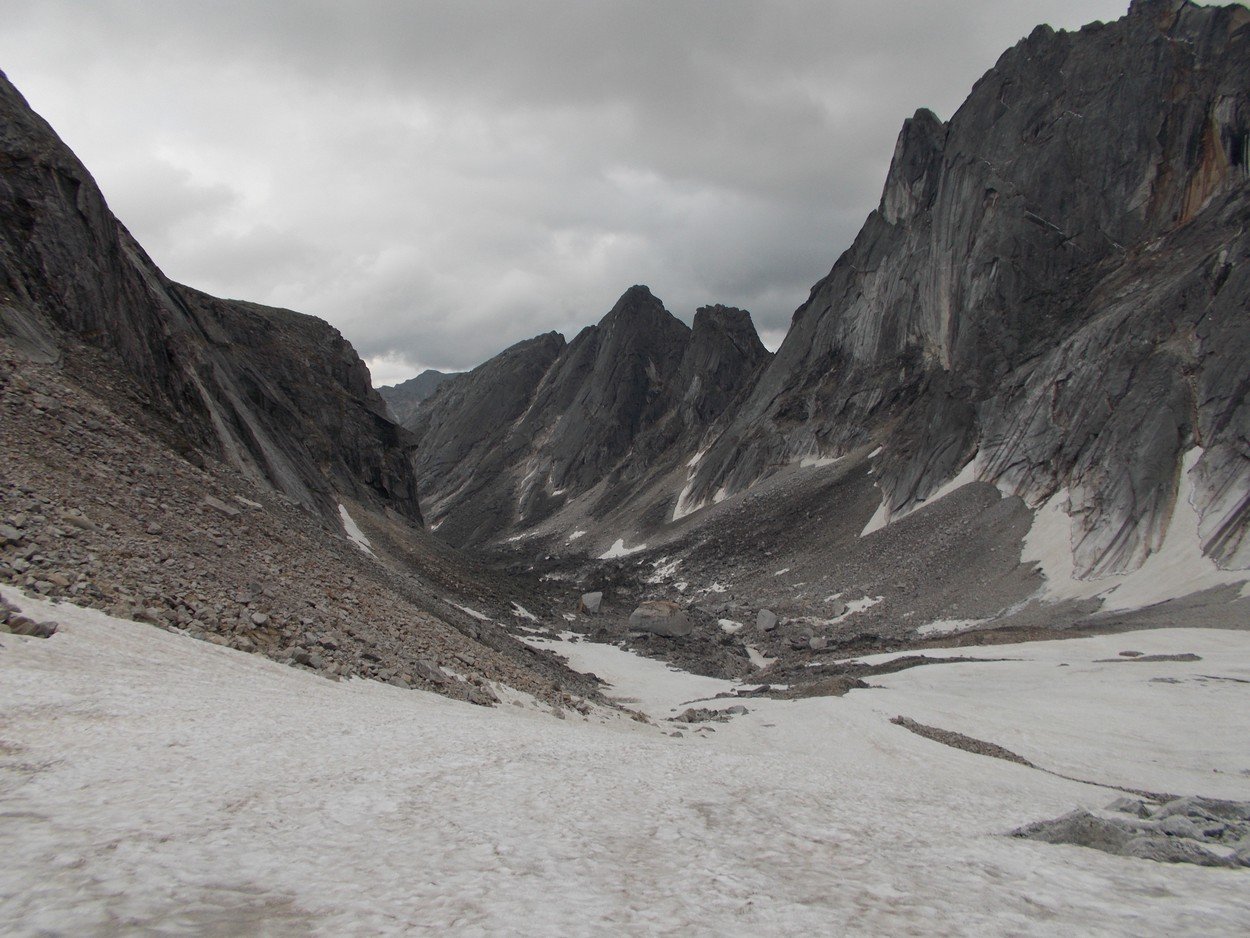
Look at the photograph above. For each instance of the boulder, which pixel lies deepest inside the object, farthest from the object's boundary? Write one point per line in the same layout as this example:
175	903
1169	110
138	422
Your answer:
766	620
590	603
661	617
217	505
482	696
21	625
430	672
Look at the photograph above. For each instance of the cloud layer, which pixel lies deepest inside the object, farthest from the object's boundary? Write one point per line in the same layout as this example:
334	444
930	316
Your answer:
441	179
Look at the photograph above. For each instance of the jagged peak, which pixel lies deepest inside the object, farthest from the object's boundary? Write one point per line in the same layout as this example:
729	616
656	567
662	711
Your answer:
637	298
913	168
637	293
639	309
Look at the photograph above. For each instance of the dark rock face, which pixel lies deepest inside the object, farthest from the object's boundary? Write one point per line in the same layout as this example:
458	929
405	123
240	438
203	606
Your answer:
467	448
542	423
281	396
406	398
1055	281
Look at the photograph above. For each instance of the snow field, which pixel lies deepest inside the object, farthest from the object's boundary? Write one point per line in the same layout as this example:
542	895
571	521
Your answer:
151	782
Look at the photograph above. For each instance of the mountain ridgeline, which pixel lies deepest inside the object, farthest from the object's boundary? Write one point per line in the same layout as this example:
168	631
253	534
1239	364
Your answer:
280	396
546	423
1052	295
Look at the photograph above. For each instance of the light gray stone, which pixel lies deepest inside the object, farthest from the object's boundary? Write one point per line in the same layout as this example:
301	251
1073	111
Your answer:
221	507
661	617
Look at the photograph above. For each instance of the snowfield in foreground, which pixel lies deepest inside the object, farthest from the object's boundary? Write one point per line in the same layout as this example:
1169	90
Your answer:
152	783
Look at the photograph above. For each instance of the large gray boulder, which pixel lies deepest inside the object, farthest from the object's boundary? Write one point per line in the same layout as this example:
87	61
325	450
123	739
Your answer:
661	617
590	602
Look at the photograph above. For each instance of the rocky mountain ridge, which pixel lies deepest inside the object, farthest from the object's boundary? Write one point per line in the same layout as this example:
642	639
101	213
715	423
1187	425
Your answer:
546	422
1051	296
1050	285
218	468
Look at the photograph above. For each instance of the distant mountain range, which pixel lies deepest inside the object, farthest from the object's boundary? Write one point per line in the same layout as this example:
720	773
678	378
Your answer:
1051	296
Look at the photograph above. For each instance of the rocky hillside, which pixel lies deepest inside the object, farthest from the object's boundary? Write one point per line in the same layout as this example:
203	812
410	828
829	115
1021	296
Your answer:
545	423
218	468
405	399
280	396
1050	296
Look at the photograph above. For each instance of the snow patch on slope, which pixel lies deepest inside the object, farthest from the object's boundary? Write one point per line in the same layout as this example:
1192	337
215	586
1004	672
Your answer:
1177	568
949	626
817	462
665	569
618	550
883	516
880	518
684	506
353	532
472	613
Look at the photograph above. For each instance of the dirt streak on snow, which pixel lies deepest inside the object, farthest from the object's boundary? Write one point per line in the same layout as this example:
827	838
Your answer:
152	783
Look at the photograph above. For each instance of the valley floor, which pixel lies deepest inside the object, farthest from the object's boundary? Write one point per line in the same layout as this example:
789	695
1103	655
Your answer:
154	784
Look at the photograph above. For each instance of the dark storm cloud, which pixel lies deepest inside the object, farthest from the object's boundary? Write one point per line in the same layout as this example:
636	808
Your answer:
442	179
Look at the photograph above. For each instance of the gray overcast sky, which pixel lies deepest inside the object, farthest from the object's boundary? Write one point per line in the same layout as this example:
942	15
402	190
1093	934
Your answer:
441	179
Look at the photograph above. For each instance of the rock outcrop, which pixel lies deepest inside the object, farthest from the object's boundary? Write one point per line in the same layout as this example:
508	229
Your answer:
280	396
661	617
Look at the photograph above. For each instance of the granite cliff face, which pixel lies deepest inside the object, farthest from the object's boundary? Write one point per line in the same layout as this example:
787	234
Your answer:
544	423
1053	283
280	396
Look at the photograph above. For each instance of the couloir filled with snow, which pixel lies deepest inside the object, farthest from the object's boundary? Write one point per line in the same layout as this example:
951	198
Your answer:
156	784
